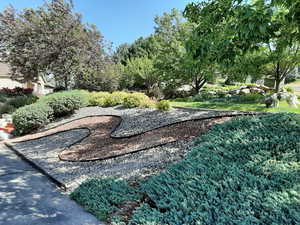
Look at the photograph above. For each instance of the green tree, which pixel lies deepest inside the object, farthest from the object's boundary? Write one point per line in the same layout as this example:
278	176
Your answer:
142	47
139	73
174	60
49	40
230	29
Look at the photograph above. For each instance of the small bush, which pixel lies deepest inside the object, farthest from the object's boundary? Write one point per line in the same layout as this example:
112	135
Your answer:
18	91
21	101
7	109
163	105
204	96
66	102
98	98
135	100
252	98
31	117
116	98
2	99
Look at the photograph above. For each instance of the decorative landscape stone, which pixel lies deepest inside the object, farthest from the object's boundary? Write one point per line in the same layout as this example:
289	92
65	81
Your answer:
43	149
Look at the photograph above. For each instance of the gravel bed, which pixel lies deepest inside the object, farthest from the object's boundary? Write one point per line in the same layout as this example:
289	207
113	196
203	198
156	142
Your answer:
139	120
44	151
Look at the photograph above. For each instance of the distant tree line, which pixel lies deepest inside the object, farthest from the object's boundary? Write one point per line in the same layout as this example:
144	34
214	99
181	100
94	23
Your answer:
229	38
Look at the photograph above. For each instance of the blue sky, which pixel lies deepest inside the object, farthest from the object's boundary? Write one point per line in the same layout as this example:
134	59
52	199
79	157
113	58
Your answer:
119	21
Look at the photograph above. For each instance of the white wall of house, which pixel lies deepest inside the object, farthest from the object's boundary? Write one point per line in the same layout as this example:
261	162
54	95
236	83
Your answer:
39	88
6	82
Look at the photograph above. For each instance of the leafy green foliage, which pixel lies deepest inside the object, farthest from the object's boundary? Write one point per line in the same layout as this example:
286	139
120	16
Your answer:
135	100
106	79
245	38
116	98
2	99
102	196
22	101
139	73
31	117
6	108
163	105
65	102
98	98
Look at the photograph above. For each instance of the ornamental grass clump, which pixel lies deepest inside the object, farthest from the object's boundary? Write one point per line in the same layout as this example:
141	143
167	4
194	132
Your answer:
244	171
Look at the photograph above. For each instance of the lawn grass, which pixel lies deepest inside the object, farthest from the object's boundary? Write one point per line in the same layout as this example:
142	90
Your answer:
295	86
283	106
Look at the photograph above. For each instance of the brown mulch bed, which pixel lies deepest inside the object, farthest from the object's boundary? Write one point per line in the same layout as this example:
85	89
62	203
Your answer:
99	145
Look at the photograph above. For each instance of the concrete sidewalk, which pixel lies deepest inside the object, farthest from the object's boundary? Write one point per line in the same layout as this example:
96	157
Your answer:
28	198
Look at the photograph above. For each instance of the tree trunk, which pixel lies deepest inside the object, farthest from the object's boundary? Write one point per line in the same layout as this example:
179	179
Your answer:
66	83
199	83
277	78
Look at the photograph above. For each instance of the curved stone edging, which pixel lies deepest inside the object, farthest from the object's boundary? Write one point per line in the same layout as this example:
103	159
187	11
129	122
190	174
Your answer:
60	183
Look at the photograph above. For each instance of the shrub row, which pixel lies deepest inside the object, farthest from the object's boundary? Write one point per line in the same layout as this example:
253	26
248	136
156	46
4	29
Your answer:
245	171
29	118
18	91
129	100
14	103
66	102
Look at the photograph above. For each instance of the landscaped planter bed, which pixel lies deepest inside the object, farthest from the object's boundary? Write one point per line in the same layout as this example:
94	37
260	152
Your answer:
84	132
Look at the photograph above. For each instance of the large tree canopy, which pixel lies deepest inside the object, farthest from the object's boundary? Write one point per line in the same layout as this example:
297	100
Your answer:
229	30
50	39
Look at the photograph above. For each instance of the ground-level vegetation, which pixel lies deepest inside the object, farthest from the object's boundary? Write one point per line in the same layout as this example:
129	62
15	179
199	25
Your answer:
242	171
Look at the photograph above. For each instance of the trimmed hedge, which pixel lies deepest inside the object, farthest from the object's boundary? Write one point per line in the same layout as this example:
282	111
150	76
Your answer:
65	102
6	108
244	171
31	117
21	101
136	100
116	98
129	100
98	98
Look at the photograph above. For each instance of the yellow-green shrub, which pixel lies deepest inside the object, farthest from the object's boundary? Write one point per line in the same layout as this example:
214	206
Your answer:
98	98
136	100
163	105
116	98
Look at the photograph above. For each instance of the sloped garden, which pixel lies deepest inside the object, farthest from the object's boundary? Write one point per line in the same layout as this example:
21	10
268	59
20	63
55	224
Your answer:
244	171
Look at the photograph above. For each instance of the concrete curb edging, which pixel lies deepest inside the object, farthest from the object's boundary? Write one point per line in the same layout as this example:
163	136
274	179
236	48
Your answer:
39	168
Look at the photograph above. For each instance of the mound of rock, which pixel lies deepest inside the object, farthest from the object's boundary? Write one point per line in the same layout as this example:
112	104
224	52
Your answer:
254	89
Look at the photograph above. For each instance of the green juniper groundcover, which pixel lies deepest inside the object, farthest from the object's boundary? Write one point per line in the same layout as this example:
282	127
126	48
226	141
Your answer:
244	171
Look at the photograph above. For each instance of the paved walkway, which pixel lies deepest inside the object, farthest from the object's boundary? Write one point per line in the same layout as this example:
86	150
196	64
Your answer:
27	197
